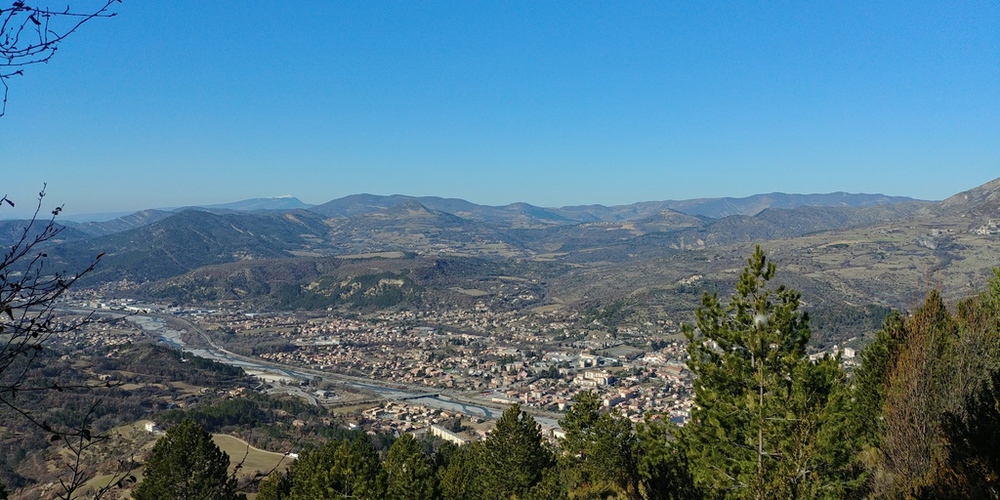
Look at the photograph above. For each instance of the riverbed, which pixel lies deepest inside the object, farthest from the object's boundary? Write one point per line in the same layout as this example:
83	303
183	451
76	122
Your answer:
158	327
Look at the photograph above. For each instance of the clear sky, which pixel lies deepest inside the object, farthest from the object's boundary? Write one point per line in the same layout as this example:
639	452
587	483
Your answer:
180	102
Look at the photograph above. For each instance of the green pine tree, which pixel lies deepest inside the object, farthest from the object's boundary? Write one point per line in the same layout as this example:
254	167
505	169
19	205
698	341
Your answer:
549	488
598	450
760	404
662	466
461	478
338	470
514	457
186	465
865	422
410	472
277	486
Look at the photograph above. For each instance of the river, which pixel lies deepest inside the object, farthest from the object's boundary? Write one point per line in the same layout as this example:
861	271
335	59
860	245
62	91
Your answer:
157	326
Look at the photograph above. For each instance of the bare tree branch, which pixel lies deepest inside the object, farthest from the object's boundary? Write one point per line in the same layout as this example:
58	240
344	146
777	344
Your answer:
29	294
31	35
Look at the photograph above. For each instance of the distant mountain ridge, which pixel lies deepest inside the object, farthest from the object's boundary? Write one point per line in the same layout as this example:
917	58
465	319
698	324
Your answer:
523	215
718	208
577	254
981	200
191	239
516	215
123	223
155	244
715	208
286	202
141	218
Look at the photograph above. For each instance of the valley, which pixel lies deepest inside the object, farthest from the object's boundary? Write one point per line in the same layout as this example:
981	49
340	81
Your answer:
390	316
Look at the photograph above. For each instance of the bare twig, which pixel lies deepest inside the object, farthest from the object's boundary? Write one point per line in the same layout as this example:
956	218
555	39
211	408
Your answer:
29	295
31	35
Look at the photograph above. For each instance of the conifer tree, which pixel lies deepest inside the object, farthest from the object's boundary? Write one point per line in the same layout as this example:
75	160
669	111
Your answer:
760	403
936	408
185	465
337	470
599	449
550	488
461	478
514	457
662	465
972	469
276	486
409	471
877	360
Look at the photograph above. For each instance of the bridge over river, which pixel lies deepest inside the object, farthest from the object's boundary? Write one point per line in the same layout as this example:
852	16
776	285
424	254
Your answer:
157	325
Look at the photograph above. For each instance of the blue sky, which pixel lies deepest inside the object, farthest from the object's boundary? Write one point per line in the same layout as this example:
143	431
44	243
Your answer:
553	103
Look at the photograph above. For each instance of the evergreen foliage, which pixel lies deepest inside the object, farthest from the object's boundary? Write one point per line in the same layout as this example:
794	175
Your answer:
877	359
600	449
760	403
185	465
662	465
460	478
549	488
276	486
514	456
973	467
409	471
929	380
337	470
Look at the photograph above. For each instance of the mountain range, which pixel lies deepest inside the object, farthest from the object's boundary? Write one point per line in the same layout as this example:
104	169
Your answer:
155	244
841	250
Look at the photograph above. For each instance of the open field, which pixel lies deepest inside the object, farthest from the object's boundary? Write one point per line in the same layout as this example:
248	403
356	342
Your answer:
305	253
374	255
547	308
349	409
256	459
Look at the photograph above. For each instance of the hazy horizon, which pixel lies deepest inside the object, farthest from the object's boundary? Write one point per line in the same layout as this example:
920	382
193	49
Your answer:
20	211
554	104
